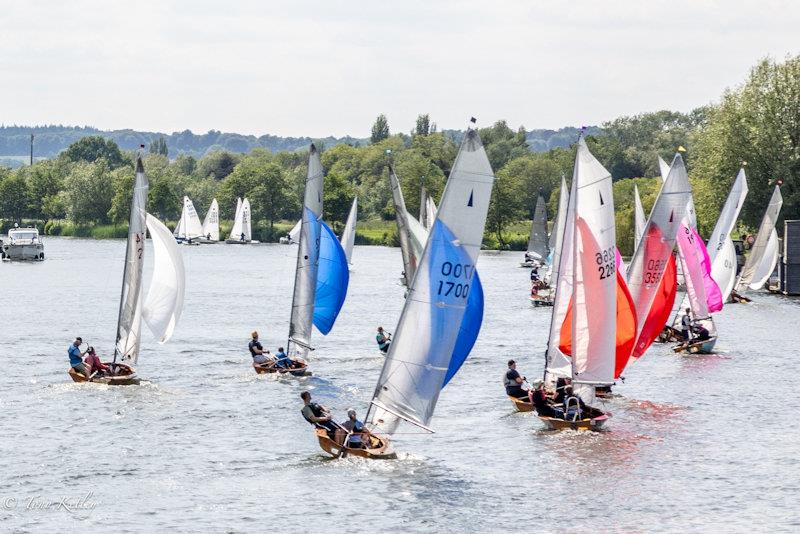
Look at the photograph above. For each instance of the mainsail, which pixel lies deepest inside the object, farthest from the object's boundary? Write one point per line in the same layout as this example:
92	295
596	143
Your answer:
189	226
430	211
639	219
423	208
557	235
164	303
759	251
537	242
402	219
651	257
242	230
211	222
305	278
129	321
349	233
294	233
427	334
768	262
720	246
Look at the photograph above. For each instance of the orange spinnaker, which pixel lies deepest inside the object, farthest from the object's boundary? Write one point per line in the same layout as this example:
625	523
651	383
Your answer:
660	310
626	327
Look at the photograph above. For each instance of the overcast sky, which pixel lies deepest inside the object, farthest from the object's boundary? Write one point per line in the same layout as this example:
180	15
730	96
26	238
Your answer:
328	67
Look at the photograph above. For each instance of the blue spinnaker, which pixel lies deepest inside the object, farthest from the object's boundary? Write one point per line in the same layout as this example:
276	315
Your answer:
333	277
469	330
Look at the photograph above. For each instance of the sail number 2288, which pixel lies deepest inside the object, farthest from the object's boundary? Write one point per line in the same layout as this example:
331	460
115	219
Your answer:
459	276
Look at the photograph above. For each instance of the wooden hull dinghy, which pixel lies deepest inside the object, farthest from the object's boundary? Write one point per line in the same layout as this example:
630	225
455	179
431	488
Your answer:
705	346
736	297
379	447
300	369
124	375
522	404
593	419
541	300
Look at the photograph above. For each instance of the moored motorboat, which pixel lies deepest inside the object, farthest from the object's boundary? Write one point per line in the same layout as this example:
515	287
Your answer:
23	244
379	447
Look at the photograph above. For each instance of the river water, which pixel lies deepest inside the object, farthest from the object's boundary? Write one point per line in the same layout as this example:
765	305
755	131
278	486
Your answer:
700	443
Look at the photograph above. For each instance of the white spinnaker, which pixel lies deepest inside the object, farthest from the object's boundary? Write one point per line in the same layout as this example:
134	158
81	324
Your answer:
651	256
349	232
557	235
594	317
294	233
557	365
430	211
768	263
236	230
721	250
211	222
415	367
305	277
639	218
537	242
129	321
759	249
164	302
402	218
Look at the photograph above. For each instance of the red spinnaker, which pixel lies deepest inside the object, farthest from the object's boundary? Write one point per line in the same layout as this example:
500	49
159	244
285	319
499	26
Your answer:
660	310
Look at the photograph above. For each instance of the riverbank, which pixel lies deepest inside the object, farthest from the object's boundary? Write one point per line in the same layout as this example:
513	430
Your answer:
375	232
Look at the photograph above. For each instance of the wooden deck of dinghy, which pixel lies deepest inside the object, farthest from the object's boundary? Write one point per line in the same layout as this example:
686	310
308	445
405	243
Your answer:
380	448
294	371
594	423
522	404
125	376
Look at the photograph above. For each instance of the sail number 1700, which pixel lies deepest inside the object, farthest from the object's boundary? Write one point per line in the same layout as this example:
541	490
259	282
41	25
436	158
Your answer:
460	275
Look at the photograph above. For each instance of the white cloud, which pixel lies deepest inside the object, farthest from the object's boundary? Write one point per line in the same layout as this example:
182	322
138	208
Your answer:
329	67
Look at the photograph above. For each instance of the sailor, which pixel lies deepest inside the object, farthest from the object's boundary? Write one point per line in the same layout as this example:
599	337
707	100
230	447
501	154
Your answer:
355	429
208	236
241	238
686	325
282	360
538	397
513	381
573	405
535	273
260	356
384	339
318	415
94	363
702	333
76	358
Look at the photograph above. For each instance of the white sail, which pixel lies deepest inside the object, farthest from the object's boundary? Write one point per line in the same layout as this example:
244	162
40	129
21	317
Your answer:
639	219
402	218
768	263
721	250
594	317
164	302
211	222
557	235
294	233
430	211
194	228
418	359
349	233
537	242
305	277
423	207
247	228
663	167
129	320
236	229
759	250
180	228
651	256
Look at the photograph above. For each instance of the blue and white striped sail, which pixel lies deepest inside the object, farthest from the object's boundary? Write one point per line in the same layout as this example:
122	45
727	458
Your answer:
426	337
333	277
305	278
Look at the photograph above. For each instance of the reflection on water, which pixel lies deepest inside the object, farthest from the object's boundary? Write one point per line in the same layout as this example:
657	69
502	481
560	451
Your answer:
695	442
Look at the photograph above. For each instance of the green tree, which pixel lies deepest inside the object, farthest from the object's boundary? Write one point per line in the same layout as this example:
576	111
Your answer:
122	180
503	144
185	164
13	196
88	192
423	126
506	205
159	146
217	164
380	130
92	148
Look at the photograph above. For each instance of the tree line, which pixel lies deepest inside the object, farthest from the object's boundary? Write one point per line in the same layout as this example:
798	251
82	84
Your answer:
758	123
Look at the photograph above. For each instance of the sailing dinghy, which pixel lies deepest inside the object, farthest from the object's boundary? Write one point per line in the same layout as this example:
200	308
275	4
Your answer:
321	276
349	232
537	252
432	338
161	308
189	228
242	231
593	321
764	255
211	224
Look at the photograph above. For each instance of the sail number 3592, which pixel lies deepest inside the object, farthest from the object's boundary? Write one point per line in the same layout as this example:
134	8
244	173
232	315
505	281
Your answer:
461	276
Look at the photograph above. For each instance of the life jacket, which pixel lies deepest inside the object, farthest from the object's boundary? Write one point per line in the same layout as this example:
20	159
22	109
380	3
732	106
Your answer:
316	409
507	382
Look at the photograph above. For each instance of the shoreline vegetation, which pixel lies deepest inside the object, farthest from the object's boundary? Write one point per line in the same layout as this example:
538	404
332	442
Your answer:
85	190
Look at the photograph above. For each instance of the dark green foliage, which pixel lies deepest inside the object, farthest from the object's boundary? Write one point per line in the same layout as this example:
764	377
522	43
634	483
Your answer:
380	130
93	148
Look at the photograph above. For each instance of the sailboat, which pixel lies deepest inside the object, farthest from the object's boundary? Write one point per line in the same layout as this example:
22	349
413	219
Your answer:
593	321
432	338
242	232
189	227
293	235
412	235
349	232
162	307
321	275
537	251
721	249
764	254
211	224
557	235
652	273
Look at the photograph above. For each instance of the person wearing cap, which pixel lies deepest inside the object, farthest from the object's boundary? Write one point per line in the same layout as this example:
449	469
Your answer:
538	397
355	429
383	339
513	381
76	358
260	356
